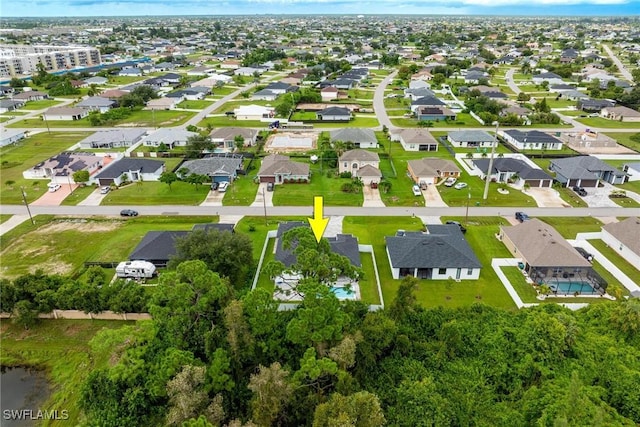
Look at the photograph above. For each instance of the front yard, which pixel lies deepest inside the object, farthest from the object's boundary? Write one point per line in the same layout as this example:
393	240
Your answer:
157	193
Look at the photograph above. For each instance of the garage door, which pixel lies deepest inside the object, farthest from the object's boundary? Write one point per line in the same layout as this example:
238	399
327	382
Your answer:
221	178
588	182
533	183
105	181
268	179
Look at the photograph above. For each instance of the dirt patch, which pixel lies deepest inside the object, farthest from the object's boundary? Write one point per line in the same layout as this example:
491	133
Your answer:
53	266
81	225
286	142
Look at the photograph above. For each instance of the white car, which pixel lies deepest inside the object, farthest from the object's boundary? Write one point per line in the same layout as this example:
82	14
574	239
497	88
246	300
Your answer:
450	181
460	185
223	186
416	190
53	187
105	190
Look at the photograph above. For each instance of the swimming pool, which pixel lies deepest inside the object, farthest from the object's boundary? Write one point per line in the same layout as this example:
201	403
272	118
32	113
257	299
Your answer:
572	287
343	293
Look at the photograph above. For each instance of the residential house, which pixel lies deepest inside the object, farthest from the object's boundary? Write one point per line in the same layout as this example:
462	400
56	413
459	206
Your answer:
31	95
212	81
548	258
130	72
362	164
254	112
426	101
585	171
97	103
157	247
573	95
594	105
280	169
96	80
163	103
632	170
61	167
130	169
329	93
113	138
415	140
419	84
172	77
360	137
418	92
474	77
620	113
8	105
341	114
66	113
471	139
490	92
429	170
6	90
248	71
624	238
551	78
434	114
507	169
170	137
218	168
441	253
265	95
11	136
530	140
114	94
226	137
192	94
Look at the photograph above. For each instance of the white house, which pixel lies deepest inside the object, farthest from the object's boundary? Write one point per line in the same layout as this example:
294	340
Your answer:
131	169
10	136
415	140
329	93
66	113
254	112
360	137
61	167
163	103
530	140
471	139
624	238
632	170
171	137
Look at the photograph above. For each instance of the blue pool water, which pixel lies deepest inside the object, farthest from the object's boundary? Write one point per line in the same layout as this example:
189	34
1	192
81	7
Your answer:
343	293
571	287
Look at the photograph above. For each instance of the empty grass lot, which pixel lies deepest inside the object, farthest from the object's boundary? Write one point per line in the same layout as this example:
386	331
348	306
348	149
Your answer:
61	245
40	105
599	122
157	193
195	105
432	293
225	121
60	347
624	138
25	154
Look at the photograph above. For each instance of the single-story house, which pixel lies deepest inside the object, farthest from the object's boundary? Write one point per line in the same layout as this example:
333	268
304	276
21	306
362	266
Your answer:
248	71
548	258
530	140
131	72
416	93
329	93
334	114
507	168
254	112
471	139
113	138
429	170
213	80
361	163
551	78
7	105
226	137
61	167
415	140
280	88
632	170
360	137
345	83
96	80
217	168
279	169
6	90
163	103
620	113
157	247
10	136
585	171
171	137
30	95
66	113
191	94
426	101
439	254
435	114
97	103
114	94
265	95
130	169
594	105
624	238
573	95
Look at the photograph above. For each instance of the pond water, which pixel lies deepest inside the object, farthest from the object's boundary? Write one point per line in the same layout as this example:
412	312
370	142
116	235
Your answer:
21	390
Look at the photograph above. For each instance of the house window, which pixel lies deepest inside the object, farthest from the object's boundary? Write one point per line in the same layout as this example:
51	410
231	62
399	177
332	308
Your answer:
469	271
442	271
346	165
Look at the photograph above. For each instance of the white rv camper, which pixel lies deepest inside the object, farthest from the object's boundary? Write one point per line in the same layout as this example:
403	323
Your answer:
135	269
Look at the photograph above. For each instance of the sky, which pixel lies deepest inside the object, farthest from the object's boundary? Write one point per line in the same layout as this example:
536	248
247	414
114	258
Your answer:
44	8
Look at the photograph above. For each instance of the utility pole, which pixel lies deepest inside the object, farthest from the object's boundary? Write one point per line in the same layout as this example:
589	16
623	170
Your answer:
466	215
493	152
44	116
24	198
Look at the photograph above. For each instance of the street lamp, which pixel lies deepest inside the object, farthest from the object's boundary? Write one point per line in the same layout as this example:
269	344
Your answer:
493	151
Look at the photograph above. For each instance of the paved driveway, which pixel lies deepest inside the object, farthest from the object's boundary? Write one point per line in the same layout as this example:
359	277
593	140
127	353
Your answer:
214	198
263	197
93	199
55	198
372	197
599	197
432	197
547	198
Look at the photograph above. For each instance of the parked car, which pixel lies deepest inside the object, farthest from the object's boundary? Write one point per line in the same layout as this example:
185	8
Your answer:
460	185
53	187
223	186
416	190
584	253
270	186
450	181
128	212
462	227
105	190
215	185
522	217
581	191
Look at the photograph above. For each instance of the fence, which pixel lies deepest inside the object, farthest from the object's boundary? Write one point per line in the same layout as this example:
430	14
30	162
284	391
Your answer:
81	315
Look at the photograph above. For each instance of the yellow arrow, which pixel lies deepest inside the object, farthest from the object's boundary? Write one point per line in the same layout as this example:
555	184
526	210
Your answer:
318	223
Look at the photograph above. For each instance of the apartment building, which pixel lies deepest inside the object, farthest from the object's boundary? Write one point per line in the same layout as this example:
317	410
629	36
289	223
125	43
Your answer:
22	60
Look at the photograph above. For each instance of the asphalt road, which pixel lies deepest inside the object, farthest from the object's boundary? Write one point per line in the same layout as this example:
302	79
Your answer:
623	70
378	101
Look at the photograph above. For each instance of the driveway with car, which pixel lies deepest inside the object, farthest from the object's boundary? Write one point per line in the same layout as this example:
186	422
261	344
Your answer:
263	197
93	199
55	198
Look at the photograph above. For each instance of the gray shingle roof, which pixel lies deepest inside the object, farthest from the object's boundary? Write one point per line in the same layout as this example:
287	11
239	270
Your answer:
126	164
214	166
279	164
627	232
511	165
581	167
158	246
355	135
443	247
532	136
361	155
470	136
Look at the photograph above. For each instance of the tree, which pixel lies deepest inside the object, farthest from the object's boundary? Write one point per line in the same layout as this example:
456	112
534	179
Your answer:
385	186
17	83
228	254
168	178
271	391
358	409
187	397
196	144
238	141
80	176
197	179
25	314
93	90
405	301
635	73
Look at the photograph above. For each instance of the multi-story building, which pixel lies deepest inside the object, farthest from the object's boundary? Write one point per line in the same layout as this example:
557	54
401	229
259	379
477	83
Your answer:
22	60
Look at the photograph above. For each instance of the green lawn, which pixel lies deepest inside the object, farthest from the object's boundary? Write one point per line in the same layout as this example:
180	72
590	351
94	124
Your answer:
224	91
605	123
359	121
242	192
568	227
25	154
61	245
625	266
626	202
400	193
225	121
157	193
4	217
149	118
303	115
463	120
78	195
320	185
360	94
368	285
431	293
195	105
38	122
624	138
61	348
124	80
40	105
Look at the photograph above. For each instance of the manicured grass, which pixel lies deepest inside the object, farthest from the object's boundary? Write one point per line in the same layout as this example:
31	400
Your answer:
38	122
61	245
571	197
525	290
224	91
157	193
320	185
19	157
224	121
360	94
124	80
40	105
4	217
626	202
359	121
194	105
242	192
568	227
232	105
61	348
161	118
400	193
624	138
303	115
368	285
625	266
605	123
78	195
431	293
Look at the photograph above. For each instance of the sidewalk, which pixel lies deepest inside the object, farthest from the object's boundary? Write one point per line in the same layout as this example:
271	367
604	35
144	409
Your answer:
12	223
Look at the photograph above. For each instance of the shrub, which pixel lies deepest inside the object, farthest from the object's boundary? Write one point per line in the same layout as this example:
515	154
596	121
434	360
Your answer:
346	174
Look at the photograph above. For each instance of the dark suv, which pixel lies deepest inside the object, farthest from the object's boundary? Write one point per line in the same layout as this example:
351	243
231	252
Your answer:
581	191
521	216
460	226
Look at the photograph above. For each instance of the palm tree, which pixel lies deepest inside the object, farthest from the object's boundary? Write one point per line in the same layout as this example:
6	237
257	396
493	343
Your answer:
93	90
